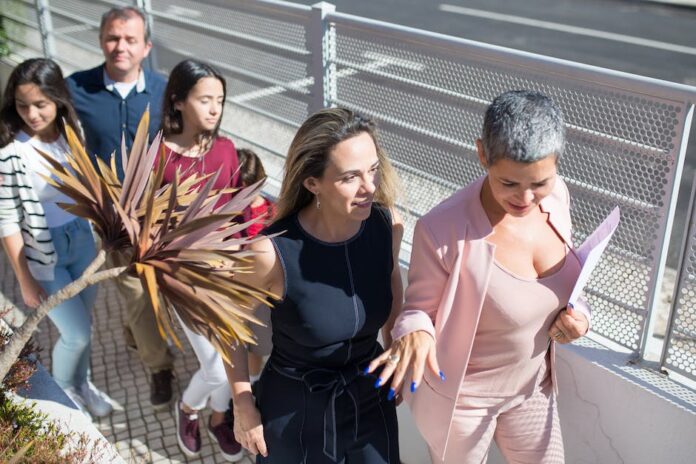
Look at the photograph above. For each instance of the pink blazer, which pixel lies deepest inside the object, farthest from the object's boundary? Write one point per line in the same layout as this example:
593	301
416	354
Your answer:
447	280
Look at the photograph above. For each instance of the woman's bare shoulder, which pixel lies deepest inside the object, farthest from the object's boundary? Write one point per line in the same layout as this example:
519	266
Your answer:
266	270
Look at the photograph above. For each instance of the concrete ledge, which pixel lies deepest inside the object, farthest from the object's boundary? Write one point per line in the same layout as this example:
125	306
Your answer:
615	412
50	399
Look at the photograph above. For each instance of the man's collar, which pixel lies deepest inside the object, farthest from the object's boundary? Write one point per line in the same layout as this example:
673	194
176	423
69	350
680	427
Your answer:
109	83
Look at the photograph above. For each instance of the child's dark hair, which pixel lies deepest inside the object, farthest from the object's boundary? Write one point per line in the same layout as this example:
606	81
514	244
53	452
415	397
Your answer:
250	167
184	77
47	76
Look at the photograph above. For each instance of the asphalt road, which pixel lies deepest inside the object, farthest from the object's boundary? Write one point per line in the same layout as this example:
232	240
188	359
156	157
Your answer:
644	38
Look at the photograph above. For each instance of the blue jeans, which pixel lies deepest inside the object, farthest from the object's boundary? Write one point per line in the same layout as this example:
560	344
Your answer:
75	248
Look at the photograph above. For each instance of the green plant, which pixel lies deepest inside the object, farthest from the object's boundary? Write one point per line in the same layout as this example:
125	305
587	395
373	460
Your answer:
4	42
27	436
21	370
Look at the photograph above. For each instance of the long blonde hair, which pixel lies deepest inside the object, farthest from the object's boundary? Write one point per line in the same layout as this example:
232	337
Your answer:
309	153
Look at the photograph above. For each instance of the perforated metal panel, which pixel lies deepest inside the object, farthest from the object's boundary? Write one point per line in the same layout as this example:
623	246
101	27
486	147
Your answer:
429	94
680	348
76	24
261	50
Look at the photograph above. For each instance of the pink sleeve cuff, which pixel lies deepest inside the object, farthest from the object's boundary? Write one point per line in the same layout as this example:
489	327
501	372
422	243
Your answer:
411	321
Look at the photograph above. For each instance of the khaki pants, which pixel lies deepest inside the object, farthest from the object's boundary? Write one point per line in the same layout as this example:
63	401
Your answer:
140	319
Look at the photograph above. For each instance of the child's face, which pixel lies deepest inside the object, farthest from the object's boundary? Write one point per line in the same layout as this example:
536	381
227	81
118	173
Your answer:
36	110
202	109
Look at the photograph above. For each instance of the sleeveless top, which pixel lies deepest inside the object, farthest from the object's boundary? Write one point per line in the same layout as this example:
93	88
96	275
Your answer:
337	295
509	354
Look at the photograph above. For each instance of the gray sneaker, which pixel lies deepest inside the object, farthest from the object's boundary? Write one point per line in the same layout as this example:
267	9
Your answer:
97	402
76	398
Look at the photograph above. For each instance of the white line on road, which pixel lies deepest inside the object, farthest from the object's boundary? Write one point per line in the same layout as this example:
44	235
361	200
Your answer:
568	29
379	61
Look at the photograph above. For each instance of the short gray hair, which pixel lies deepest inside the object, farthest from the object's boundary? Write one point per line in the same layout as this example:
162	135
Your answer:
124	13
523	126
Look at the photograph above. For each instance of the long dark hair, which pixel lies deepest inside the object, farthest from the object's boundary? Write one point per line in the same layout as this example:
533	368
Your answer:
47	76
182	79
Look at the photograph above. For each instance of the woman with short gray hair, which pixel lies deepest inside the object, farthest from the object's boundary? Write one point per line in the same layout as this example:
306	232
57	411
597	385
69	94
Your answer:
492	269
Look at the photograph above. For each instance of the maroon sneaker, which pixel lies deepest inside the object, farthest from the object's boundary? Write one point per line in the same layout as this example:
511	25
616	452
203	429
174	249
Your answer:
188	432
223	435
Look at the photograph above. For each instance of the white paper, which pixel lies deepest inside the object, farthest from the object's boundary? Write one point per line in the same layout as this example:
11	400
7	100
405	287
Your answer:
591	251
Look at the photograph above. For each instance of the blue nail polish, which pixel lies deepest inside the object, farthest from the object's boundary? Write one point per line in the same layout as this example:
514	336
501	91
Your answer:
413	387
442	376
391	394
378	383
366	370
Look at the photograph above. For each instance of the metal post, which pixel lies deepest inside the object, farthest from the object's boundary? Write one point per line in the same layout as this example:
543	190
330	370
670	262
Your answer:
684	257
647	342
321	40
146	6
43	14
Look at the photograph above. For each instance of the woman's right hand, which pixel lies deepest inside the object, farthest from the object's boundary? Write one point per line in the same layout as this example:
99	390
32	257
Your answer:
412	351
32	293
248	430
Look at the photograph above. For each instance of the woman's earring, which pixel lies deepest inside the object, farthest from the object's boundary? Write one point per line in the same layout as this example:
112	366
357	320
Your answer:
318	202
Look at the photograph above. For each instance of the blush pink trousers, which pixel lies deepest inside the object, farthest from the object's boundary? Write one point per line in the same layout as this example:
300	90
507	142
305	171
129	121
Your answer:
525	428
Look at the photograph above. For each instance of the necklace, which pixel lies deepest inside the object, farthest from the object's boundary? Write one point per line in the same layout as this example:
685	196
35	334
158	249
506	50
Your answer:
197	162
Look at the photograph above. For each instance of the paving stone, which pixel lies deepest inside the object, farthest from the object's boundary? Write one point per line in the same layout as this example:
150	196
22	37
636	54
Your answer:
139	434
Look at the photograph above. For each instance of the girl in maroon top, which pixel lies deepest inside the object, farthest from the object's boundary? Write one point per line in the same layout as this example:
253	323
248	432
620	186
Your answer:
191	114
251	171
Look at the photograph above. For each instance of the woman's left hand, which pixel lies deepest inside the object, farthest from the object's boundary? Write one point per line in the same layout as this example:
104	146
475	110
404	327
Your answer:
568	326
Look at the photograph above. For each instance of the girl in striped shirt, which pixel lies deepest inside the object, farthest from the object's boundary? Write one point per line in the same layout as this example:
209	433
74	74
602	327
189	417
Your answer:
47	247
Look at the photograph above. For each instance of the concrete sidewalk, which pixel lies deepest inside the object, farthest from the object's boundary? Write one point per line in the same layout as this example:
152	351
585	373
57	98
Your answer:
139	434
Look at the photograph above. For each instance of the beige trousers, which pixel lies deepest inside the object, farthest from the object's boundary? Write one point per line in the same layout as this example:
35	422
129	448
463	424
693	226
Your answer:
140	320
525	428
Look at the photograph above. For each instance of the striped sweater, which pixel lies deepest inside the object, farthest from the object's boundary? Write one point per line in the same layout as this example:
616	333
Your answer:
21	210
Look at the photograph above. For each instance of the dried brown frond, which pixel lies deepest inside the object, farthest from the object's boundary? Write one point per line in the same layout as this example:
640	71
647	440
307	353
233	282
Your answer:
184	250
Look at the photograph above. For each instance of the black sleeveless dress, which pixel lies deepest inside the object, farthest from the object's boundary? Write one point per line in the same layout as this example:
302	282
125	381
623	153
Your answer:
316	405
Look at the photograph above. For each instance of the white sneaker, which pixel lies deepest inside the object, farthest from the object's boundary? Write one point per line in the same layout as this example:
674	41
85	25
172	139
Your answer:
98	402
76	398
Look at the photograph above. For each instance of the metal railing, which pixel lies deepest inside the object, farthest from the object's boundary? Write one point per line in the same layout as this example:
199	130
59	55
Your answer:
679	349
627	135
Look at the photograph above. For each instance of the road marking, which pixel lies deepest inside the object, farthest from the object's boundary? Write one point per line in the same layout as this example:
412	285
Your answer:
379	61
176	10
568	29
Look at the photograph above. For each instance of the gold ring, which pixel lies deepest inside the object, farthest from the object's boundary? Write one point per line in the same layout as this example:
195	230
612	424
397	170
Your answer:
393	358
558	335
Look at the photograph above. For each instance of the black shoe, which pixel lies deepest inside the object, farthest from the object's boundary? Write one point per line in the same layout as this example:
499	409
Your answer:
130	340
161	390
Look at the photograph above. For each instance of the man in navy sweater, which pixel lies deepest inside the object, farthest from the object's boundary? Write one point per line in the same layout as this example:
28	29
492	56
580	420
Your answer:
110	100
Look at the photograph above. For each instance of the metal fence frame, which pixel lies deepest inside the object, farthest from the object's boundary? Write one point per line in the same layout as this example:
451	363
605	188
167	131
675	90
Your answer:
321	82
679	349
